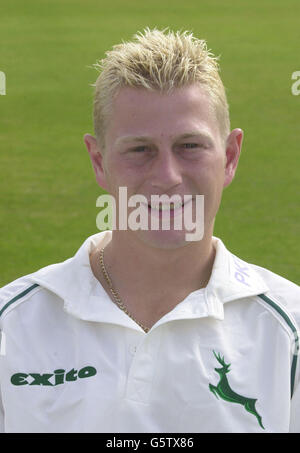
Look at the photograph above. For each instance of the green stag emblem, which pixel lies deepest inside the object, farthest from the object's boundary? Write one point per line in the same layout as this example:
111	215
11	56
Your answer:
224	391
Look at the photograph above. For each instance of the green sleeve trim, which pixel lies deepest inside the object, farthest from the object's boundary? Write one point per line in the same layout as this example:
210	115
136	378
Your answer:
19	296
295	332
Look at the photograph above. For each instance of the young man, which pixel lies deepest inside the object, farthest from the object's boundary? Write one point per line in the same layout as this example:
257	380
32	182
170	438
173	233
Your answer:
145	330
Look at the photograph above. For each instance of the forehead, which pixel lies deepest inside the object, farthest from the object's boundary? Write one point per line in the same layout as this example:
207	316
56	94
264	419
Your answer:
138	111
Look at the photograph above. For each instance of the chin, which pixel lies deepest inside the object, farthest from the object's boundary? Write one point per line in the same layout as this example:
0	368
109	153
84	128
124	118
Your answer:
166	240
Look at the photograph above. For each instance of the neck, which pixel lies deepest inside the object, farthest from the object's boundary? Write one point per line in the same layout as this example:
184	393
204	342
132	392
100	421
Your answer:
152	281
153	270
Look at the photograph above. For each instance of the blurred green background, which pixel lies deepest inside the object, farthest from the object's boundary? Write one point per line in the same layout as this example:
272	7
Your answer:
47	187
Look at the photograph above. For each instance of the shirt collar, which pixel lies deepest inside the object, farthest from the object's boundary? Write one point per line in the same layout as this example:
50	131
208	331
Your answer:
83	296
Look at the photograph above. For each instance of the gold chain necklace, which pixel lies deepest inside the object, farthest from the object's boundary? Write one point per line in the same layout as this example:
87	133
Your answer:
115	294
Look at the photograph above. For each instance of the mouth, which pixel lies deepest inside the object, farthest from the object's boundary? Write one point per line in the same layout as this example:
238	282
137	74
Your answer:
172	207
165	206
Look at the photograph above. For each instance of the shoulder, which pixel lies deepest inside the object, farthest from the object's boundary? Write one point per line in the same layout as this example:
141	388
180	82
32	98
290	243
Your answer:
23	289
15	290
282	297
285	291
15	293
71	282
253	282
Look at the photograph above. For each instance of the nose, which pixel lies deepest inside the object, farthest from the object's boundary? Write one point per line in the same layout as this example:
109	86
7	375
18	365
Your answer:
165	171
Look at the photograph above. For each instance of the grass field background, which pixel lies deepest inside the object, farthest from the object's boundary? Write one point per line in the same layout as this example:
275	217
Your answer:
47	187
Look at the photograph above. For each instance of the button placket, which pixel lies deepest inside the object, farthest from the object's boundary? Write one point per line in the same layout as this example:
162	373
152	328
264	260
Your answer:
143	367
133	349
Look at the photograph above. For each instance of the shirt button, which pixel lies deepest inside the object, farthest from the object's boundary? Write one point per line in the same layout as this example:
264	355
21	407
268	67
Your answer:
132	349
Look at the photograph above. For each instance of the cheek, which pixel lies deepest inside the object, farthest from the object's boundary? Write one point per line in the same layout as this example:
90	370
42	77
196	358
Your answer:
210	173
209	181
119	174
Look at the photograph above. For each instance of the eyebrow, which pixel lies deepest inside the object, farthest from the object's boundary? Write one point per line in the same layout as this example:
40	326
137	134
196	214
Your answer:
145	138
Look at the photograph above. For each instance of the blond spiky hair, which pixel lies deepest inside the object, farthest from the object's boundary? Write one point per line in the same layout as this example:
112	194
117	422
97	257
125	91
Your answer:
158	60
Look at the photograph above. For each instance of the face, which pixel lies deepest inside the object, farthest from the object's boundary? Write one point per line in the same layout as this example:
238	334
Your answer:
166	144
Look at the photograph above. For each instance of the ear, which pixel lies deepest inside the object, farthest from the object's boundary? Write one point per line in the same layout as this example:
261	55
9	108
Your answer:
96	156
233	151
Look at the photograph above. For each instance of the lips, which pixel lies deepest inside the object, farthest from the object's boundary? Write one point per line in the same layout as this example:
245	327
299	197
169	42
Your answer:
174	208
172	205
165	206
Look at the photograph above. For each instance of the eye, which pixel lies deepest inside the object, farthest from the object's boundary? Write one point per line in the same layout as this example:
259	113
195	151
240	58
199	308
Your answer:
139	149
191	145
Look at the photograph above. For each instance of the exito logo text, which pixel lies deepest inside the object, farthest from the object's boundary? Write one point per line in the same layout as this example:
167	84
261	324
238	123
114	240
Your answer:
51	379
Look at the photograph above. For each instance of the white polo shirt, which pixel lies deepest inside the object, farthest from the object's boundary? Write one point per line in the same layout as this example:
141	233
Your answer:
225	359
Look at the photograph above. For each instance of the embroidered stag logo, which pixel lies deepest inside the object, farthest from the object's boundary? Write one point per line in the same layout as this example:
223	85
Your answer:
224	391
